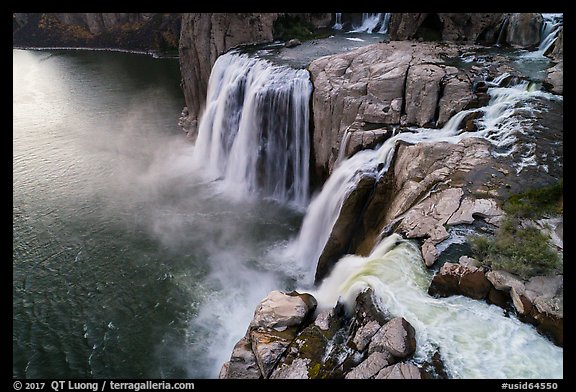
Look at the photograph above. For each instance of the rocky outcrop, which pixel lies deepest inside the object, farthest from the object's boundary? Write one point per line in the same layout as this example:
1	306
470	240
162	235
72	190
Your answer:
516	29
554	81
359	343
370	92
539	300
456	27
458	279
524	29
133	31
277	320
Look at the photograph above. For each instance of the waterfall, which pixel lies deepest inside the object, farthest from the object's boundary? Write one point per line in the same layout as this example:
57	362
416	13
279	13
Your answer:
498	125
253	134
338	23
549	32
373	22
475	339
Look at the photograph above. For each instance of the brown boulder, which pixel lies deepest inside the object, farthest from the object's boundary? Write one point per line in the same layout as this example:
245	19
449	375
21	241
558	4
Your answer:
456	279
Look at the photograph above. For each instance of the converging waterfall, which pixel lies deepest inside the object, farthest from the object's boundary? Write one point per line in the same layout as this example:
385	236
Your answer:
499	125
373	23
254	134
550	29
475	340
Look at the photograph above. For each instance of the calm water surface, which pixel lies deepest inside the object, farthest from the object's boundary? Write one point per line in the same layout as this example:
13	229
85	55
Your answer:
125	265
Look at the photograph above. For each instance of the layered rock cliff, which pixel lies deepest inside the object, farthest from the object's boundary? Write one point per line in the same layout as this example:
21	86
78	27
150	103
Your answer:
130	31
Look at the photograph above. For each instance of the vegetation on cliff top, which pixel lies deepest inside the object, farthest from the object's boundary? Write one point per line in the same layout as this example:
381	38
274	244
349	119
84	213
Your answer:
522	249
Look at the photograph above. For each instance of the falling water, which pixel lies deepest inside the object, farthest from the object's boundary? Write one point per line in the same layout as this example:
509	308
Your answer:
499	126
338	23
475	339
550	29
253	135
373	23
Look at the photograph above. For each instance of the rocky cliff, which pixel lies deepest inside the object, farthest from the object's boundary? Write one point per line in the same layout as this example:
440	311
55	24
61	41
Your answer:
131	31
433	190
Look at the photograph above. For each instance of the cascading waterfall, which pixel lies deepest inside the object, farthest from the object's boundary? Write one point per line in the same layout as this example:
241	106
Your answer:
498	125
475	339
465	331
373	23
338	21
253	134
549	32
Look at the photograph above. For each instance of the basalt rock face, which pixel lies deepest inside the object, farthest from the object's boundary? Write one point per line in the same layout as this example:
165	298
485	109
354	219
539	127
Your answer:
131	31
516	29
373	90
457	27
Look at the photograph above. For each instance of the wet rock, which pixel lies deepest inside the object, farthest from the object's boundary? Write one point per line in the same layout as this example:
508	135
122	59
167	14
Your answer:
406	371
339	241
397	337
242	363
292	43
538	301
554	81
371	365
268	346
456	279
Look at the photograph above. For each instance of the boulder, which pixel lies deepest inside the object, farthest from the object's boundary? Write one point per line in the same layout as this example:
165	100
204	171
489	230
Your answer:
554	81
242	363
397	337
364	334
457	279
282	310
406	371
268	346
371	365
292	43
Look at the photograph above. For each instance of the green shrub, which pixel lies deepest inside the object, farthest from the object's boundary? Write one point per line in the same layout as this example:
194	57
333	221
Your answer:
524	251
535	203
